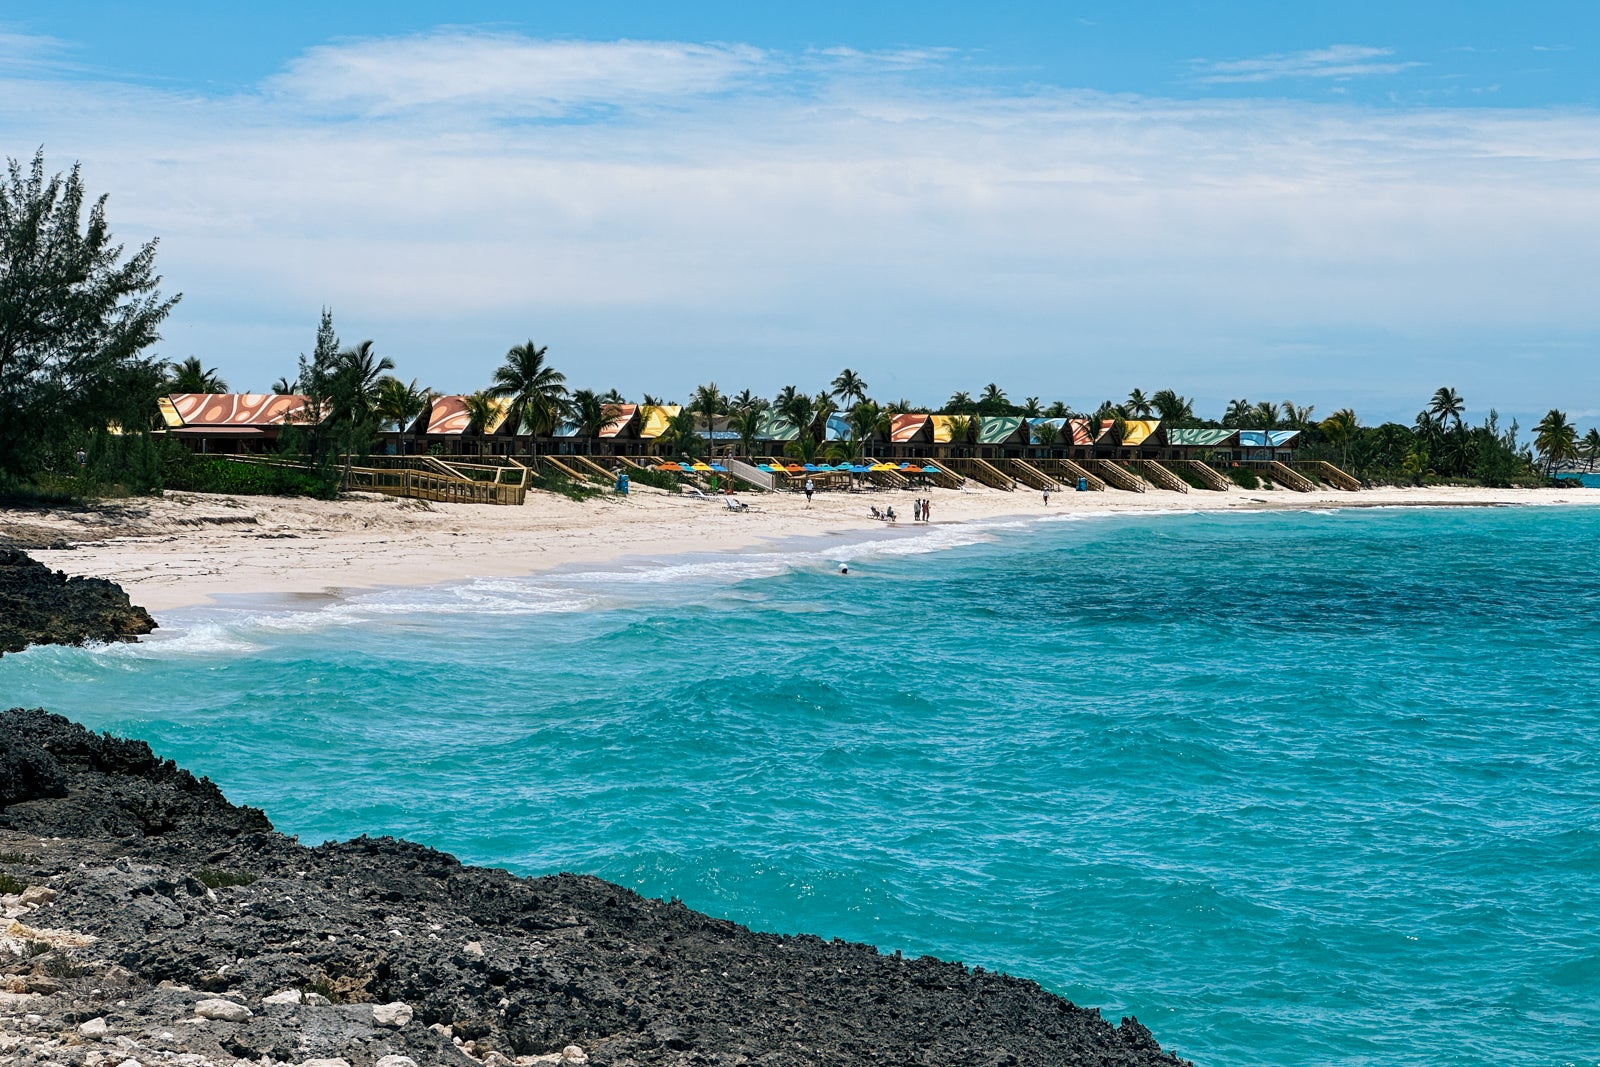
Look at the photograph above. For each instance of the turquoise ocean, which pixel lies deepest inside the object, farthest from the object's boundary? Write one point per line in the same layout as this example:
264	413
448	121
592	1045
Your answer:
1293	788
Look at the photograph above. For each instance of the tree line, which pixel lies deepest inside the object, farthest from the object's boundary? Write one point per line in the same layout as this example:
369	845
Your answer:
78	392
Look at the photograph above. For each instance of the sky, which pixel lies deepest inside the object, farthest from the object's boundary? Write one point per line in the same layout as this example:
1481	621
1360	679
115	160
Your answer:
1347	205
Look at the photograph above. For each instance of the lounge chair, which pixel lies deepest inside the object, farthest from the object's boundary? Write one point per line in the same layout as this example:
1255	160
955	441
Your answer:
737	505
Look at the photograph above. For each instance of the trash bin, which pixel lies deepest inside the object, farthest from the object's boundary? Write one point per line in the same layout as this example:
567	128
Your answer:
1083	485
622	483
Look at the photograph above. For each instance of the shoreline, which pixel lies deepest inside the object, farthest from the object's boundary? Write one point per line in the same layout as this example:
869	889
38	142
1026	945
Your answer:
186	550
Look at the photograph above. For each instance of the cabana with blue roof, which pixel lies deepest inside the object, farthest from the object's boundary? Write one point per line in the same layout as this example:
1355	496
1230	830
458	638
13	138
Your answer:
1266	446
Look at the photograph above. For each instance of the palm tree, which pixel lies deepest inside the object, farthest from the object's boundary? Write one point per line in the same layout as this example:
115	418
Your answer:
1238	413
1447	405
709	401
1030	407
865	419
481	413
356	381
611	396
1056	410
1297	418
286	386
959	403
190	376
747	401
1591	446
746	422
1556	439
848	387
992	401
537	390
1266	415
591	413
399	403
1139	405
1340	429
1172	408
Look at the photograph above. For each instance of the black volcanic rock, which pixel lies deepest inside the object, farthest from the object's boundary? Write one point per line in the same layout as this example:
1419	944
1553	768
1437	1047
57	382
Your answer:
188	897
39	606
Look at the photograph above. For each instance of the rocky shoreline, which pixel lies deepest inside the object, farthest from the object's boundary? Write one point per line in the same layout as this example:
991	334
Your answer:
39	606
147	921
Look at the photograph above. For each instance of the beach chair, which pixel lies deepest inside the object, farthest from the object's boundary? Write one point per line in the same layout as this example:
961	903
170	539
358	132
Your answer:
737	505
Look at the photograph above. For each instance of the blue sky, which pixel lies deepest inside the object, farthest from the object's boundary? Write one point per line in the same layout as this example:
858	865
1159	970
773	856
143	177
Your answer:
1343	204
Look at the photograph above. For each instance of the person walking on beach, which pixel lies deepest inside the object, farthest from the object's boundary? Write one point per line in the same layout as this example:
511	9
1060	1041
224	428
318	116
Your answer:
925	505
916	511
810	488
1047	498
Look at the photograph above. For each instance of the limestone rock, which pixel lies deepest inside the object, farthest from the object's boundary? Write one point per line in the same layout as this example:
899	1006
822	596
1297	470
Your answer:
339	1062
286	996
226	1011
38	895
574	1054
394	1016
94	1029
396	1061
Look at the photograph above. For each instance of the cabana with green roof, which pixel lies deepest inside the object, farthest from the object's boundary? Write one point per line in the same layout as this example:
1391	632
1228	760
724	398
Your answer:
1000	435
1202	444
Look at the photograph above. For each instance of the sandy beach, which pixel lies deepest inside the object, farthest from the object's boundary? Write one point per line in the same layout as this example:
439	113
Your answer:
183	549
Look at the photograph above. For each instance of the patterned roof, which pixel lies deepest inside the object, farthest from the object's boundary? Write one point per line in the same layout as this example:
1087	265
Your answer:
195	410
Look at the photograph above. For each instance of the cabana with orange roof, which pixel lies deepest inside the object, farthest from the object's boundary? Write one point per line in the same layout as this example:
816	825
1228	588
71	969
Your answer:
231	422
907	432
448	424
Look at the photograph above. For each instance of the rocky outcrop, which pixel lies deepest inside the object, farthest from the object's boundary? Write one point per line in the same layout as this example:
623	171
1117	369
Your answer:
39	606
165	922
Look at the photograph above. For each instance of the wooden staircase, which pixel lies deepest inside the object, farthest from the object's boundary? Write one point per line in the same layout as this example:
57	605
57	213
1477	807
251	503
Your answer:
1159	476
1117	476
1069	472
1204	473
1288	478
1331	474
1028	474
985	472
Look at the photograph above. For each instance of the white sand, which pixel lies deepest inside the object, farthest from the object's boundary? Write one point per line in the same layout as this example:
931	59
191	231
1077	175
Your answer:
183	549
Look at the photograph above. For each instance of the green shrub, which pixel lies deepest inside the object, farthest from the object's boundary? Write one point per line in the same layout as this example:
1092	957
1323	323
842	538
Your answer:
552	482
15	858
10	885
1244	477
212	878
215	474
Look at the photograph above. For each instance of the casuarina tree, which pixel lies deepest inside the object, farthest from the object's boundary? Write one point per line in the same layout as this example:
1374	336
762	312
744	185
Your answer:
76	315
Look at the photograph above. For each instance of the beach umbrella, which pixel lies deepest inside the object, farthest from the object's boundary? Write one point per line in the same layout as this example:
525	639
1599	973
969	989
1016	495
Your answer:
719	467
666	466
701	467
795	468
930	470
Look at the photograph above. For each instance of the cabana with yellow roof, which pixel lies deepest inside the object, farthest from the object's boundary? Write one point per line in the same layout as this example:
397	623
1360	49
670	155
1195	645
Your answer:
231	422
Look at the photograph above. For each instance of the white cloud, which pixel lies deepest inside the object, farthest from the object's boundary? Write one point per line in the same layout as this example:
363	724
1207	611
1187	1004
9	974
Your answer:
1340	61
760	229
510	74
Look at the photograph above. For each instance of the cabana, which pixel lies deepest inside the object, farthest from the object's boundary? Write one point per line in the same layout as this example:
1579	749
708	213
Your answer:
999	433
837	429
447	423
1044	434
1201	444
1265	446
774	429
654	419
908	431
946	427
230	422
1082	438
